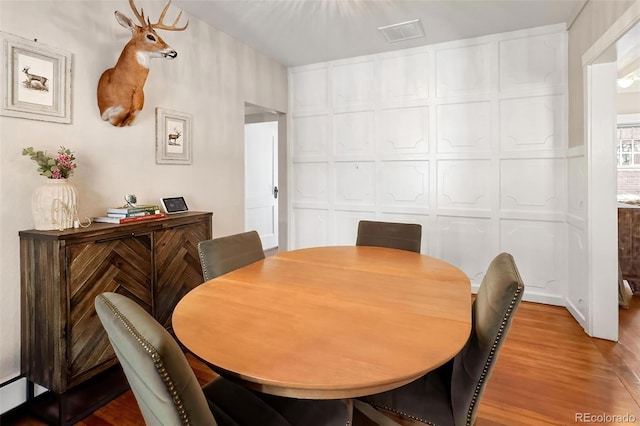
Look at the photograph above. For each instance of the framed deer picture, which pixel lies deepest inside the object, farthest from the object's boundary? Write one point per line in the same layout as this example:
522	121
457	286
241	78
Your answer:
173	137
37	80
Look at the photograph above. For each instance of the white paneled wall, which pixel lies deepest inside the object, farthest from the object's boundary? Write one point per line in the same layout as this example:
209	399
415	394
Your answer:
467	138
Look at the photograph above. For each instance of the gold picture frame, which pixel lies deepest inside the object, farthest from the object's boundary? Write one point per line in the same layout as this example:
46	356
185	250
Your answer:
173	137
37	83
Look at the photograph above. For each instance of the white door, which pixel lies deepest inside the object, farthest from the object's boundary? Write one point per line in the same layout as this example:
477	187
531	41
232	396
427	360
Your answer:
261	181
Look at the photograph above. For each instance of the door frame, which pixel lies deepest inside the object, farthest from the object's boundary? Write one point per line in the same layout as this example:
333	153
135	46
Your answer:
602	244
283	173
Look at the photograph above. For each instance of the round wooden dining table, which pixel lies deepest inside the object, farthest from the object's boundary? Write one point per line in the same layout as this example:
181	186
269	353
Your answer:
328	322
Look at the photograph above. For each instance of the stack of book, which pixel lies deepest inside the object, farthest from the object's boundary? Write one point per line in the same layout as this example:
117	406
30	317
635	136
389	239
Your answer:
131	214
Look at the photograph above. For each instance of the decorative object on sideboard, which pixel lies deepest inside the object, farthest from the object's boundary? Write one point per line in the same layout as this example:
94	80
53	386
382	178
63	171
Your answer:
130	200
54	204
173	137
120	89
37	82
131	213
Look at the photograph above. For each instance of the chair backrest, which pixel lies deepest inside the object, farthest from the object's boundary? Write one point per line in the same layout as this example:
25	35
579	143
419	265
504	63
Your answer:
225	254
498	297
160	377
403	236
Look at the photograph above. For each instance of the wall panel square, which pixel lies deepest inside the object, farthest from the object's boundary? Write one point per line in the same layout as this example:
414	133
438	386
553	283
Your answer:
355	183
537	247
353	133
464	184
310	137
532	124
353	85
403	131
463	71
404	183
404	78
310	91
533	185
464	127
532	62
310	182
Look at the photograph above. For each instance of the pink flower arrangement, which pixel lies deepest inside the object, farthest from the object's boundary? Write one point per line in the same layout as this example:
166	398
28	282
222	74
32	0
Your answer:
58	167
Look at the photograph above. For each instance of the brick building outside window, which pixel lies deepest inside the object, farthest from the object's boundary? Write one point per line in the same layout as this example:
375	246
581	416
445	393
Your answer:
628	152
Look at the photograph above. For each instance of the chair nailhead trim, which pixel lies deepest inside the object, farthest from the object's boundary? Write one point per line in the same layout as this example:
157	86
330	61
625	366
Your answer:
402	413
205	272
476	392
157	361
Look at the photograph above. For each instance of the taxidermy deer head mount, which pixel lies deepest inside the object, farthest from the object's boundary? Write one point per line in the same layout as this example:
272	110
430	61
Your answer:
120	94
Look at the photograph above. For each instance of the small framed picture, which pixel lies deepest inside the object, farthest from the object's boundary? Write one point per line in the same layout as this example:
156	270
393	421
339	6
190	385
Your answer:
37	83
173	137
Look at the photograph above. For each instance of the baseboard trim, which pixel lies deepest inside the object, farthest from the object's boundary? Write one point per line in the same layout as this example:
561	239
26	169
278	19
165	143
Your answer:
13	393
532	296
8	382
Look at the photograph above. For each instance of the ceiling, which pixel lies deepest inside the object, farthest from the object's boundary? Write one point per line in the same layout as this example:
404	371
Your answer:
301	32
628	58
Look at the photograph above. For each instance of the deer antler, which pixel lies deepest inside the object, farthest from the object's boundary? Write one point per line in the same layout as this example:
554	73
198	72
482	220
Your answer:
160	24
140	15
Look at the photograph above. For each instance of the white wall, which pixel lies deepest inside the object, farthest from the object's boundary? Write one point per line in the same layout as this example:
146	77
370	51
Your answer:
467	138
212	77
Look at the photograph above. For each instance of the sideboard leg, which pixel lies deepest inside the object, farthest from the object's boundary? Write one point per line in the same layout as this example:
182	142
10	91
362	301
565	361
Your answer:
30	390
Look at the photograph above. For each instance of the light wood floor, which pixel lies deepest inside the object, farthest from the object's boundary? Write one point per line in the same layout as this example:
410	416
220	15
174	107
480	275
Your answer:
548	371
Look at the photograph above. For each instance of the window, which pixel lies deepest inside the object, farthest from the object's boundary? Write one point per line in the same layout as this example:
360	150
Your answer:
628	149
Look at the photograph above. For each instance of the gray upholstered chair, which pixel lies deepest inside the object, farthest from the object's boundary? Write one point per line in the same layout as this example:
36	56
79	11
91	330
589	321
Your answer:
450	394
168	392
403	236
225	254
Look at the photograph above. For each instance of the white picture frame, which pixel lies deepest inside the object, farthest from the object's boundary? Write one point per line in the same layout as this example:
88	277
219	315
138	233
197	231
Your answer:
37	82
173	137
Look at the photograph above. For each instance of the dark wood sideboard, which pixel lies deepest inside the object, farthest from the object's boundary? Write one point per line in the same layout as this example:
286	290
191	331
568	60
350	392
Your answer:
63	344
629	244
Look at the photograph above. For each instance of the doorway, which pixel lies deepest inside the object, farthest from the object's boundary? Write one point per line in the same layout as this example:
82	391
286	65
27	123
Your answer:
261	143
601	72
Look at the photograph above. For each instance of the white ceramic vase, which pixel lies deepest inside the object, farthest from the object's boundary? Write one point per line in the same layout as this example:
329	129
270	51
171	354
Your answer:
54	205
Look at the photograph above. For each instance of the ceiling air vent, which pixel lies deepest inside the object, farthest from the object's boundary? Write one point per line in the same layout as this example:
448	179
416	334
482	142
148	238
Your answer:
402	31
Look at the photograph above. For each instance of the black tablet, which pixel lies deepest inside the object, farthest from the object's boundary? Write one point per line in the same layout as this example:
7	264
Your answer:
174	205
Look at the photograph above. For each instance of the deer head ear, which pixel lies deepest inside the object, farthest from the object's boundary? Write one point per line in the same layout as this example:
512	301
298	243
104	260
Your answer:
124	21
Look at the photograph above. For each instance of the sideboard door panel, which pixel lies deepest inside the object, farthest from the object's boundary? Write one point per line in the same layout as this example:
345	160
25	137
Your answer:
177	265
121	265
